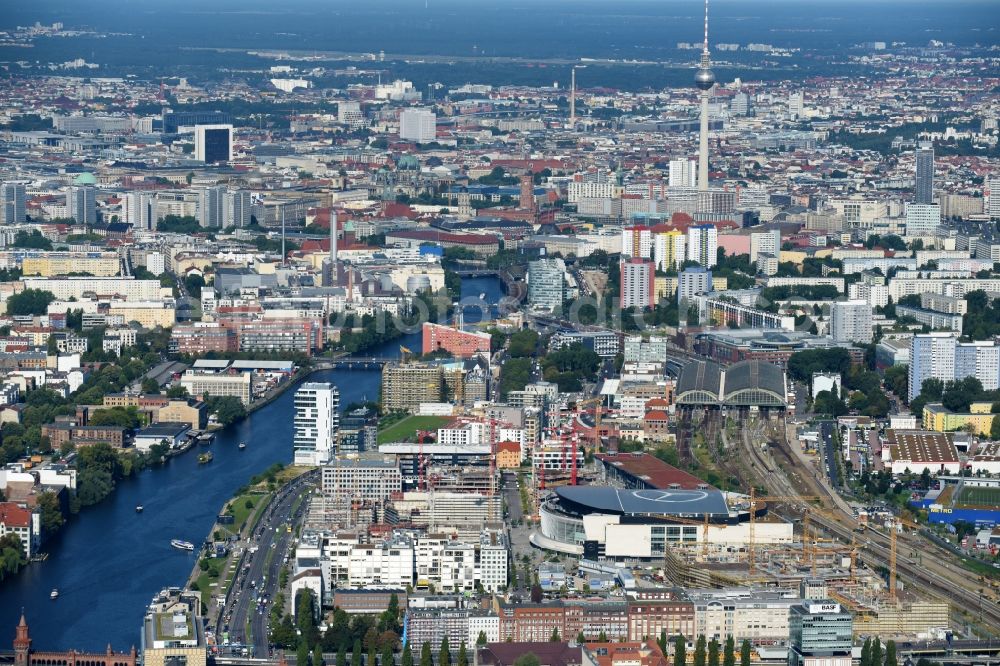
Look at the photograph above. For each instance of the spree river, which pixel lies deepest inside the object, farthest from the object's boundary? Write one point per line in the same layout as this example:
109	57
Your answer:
109	561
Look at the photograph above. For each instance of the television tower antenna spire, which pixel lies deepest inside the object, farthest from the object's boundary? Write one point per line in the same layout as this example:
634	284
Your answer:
704	80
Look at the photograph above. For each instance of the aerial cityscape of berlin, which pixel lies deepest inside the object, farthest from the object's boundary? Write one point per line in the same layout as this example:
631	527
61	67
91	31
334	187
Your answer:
482	333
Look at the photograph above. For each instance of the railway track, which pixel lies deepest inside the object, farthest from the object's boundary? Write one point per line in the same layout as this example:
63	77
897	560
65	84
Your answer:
937	577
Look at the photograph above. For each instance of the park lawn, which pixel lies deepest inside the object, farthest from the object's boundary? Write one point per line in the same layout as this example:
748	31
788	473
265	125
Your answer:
214	574
406	430
241	513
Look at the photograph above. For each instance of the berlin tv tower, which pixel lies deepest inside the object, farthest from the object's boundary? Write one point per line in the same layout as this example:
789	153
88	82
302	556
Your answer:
704	78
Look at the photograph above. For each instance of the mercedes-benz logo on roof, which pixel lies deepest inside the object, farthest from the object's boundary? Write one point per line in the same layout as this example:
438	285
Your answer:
673	496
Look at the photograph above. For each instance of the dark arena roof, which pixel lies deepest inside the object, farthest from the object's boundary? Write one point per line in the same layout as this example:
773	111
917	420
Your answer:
746	384
694	504
642	470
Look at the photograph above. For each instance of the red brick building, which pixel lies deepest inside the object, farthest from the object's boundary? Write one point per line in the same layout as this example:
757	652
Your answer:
462	344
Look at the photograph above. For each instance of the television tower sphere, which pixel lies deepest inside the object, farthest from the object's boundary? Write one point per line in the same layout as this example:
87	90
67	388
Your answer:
704	79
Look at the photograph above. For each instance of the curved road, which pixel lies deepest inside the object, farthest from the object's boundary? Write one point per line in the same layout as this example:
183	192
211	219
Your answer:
260	566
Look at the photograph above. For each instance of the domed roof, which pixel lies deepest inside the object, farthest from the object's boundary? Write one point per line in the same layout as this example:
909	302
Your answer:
409	162
85	179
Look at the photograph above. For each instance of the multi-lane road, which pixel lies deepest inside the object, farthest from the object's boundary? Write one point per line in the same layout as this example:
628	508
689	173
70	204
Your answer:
256	579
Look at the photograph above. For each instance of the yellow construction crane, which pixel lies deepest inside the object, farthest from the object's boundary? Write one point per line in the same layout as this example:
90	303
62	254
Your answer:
754	499
835	518
896	523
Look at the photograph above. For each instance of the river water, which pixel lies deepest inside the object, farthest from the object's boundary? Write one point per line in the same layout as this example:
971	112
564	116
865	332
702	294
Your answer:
109	561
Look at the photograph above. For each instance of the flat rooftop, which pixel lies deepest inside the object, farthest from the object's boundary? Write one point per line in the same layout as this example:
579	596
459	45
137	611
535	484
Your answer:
651	471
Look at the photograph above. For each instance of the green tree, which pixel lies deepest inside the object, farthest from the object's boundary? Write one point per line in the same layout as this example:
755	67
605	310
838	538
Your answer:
52	515
386	658
662	641
150	385
302	653
680	651
30	302
407	658
228	409
729	653
317	655
713	652
555	635
425	654
444	654
876	655
699	651
890	654
342	655
745	653
463	656
481	639
356	653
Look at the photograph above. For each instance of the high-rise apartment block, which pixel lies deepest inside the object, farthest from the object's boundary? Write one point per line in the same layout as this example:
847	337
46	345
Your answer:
683	173
317	419
418	125
81	204
703	244
12	203
851	321
924	179
637	279
211	207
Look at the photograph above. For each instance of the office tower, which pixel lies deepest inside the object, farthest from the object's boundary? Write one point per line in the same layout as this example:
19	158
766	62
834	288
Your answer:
418	125
924	182
991	194
683	173
704	80
932	355
922	219
317	420
139	210
211	207
669	249
692	281
350	114
237	205
796	104
820	634
851	321
12	210
637	279
213	143
545	283
81	204
741	105
765	242
703	244
637	241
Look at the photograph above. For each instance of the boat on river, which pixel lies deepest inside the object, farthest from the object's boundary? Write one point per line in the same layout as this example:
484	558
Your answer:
242	446
205	458
181	545
138	508
54	594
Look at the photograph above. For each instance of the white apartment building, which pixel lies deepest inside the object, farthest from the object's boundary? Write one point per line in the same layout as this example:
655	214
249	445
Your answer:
637	242
876	295
476	433
75	287
389	564
703	244
765	242
362	479
991	194
417	125
922	219
591	190
760	617
683	173
851	321
139	210
653	350
218	385
317	420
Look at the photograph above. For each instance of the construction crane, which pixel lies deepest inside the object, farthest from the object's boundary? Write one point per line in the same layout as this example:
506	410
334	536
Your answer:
754	499
835	518
897	522
598	403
